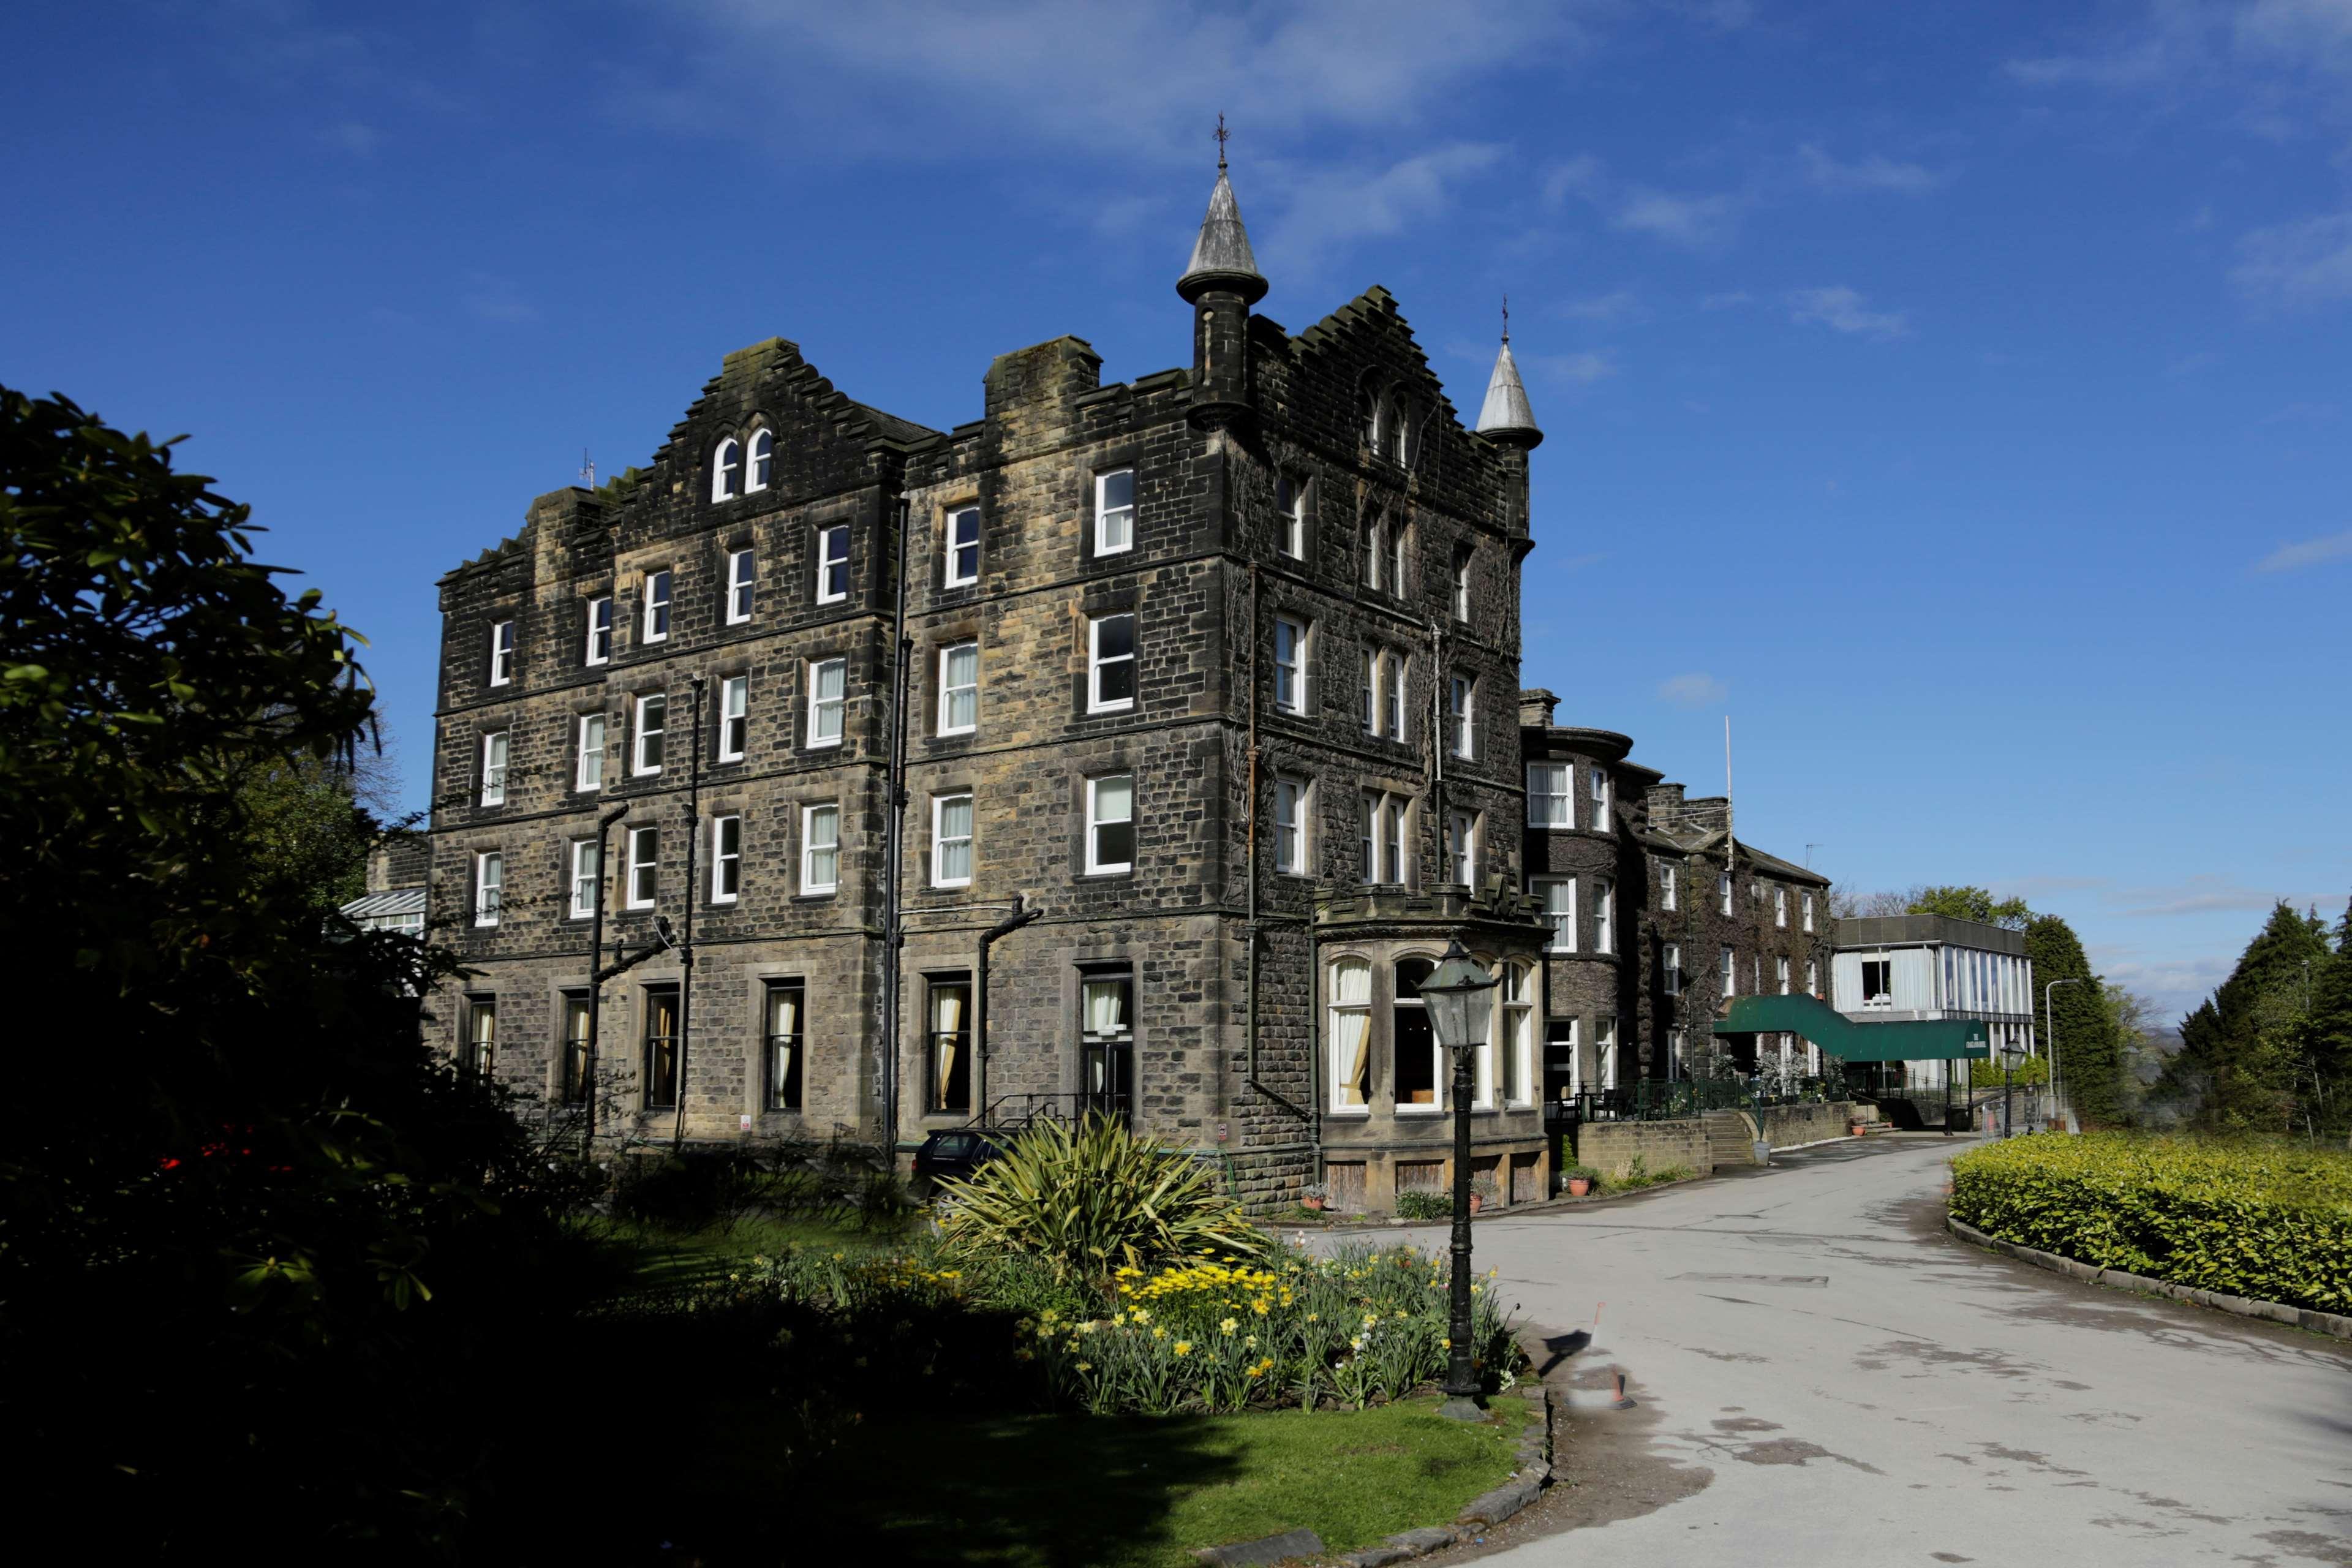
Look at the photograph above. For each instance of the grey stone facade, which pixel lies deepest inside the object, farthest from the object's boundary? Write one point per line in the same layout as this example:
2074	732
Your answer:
1292	517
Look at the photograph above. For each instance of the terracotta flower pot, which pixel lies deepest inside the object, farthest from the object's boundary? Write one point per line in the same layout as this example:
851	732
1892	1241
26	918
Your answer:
1475	1201
1578	1185
1860	1129
1313	1204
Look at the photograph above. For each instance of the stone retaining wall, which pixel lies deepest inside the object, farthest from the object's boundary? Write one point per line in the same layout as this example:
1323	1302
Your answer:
1786	1126
1610	1147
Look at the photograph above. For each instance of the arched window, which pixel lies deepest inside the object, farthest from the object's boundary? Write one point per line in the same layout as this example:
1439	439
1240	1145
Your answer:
1376	549
1351	1034
763	461
725	469
1367	413
1397	426
1412	1045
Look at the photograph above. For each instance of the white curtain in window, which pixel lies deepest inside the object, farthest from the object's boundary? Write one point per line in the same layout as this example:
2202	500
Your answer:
785	1029
1106	1007
1351	1023
947	1005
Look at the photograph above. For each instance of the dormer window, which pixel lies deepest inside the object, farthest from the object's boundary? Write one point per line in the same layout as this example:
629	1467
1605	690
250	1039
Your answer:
727	470
763	461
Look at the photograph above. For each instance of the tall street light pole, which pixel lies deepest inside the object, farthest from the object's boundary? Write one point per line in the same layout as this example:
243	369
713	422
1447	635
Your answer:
2050	1033
1460	997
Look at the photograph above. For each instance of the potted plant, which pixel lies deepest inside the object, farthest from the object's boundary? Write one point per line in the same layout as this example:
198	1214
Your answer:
1580	1180
1314	1196
1481	1189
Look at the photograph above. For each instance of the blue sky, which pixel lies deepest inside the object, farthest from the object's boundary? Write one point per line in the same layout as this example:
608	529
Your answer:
1954	395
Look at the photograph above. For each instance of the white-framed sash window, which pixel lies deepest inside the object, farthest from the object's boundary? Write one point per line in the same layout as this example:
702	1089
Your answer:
726	859
820	848
960	548
1115	511
494	767
734	717
1290	826
1111	824
1550	804
490	887
740	569
1289	665
502	651
1348	1036
951	840
959	689
590	773
653	720
828	682
645	867
832	563
587	866
1110	663
656	620
1558	896
599	631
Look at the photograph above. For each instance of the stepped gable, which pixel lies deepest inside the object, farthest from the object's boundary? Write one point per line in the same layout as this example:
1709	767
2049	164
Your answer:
1369	326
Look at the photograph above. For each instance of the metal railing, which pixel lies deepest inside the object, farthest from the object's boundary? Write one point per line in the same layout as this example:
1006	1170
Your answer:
1014	1112
1653	1101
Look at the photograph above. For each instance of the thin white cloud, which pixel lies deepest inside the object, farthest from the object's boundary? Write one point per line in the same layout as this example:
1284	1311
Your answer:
1696	689
1612	309
1845	310
1096	75
2277	55
1727	300
1693	222
1342	204
350	136
2297	265
1583	369
2309	553
1874	175
495	299
1579	176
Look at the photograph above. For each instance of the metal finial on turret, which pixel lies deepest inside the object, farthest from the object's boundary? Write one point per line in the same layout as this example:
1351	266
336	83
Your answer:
1221	256
1506	413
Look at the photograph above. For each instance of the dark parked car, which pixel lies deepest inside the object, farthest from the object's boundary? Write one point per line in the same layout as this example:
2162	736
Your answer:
958	1151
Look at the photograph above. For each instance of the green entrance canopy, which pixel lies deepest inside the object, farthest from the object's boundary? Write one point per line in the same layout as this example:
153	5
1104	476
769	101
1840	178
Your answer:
1850	1039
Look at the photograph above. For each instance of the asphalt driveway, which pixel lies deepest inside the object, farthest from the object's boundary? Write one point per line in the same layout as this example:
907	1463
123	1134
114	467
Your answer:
1824	1376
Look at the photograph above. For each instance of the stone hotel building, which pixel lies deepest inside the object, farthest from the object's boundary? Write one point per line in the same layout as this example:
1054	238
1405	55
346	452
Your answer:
1214	675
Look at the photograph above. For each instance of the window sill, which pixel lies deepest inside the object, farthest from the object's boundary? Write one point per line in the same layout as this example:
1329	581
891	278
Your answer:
1106	873
817	895
1420	1110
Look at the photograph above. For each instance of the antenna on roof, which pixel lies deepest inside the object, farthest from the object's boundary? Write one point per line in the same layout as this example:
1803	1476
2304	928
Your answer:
1221	135
587	469
1506	318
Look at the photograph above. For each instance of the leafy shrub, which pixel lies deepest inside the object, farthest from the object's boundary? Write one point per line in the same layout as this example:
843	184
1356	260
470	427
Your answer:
1580	1174
1423	1202
1639	1174
1990	1075
2269	1221
1090	1199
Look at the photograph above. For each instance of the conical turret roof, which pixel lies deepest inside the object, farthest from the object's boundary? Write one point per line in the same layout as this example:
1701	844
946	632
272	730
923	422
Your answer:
1221	257
1506	412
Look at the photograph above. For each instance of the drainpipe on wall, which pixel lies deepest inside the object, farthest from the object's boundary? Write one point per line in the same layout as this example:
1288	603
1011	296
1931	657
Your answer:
894	789
685	945
1019	916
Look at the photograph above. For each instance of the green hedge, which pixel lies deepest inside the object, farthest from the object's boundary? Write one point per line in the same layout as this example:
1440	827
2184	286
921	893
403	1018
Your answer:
2269	1221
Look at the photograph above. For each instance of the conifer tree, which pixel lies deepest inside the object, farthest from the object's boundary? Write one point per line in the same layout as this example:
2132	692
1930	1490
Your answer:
2090	1053
2245	1059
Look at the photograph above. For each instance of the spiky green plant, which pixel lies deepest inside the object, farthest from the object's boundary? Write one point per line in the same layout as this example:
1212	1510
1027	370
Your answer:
1090	1198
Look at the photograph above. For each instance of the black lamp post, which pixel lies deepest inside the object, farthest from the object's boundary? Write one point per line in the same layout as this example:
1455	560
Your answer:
2011	1055
1460	997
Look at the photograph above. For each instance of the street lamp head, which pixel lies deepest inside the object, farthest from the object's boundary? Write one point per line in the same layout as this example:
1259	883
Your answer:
2012	1054
1460	994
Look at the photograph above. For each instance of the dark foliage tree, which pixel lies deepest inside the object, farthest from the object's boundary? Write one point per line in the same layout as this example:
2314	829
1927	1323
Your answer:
1970	904
2089	1049
255	1238
2245	1062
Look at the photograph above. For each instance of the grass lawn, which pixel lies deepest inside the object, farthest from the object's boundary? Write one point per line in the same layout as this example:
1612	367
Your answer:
656	1256
1059	1491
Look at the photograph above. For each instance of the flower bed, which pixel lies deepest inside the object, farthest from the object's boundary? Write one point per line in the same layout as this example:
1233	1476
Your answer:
1226	1334
2268	1221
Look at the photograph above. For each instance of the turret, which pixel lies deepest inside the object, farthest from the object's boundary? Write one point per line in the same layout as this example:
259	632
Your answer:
1505	416
1220	284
